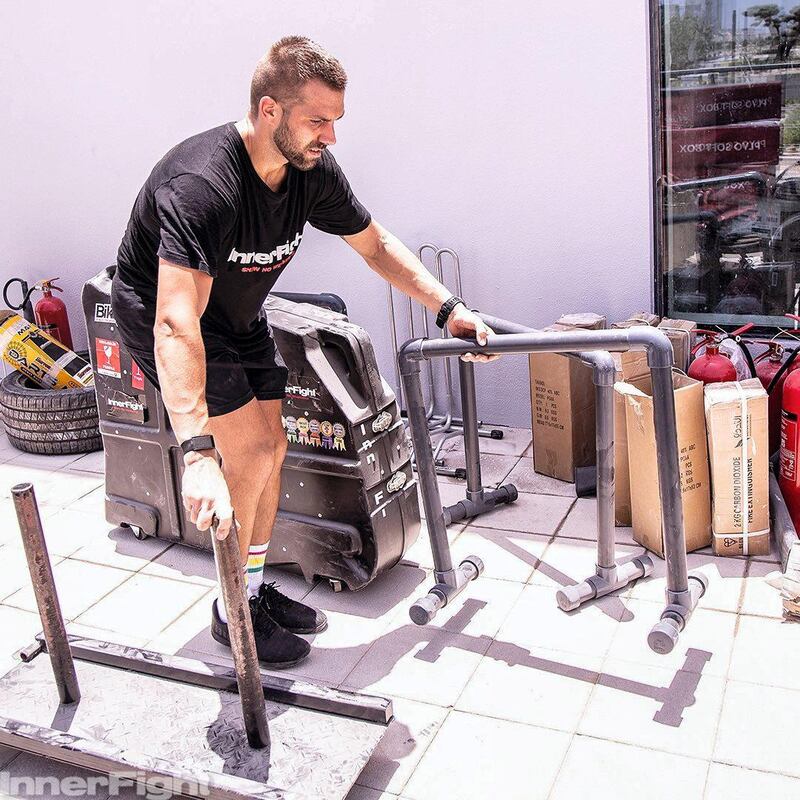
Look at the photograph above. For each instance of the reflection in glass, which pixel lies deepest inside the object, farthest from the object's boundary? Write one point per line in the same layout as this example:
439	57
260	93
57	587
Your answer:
730	160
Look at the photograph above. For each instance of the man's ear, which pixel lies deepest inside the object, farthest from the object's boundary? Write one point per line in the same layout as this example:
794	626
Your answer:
268	108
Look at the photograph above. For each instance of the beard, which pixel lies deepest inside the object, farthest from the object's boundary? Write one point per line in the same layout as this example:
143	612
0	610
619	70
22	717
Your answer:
297	155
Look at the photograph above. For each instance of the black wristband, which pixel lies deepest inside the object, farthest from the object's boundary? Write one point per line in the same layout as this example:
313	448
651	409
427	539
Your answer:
198	443
447	309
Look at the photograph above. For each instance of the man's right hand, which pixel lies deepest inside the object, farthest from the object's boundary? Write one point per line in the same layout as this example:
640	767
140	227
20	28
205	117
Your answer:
205	494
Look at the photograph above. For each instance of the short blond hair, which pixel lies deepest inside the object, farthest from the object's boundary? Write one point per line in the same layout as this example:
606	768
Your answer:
290	63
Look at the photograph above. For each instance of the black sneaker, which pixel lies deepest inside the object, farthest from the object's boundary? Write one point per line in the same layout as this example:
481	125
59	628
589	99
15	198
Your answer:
290	614
275	646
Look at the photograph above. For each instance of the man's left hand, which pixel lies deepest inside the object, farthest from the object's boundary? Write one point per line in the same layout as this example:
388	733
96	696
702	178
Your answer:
465	324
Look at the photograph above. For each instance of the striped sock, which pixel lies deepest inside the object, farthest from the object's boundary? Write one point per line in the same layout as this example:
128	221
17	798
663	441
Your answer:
254	571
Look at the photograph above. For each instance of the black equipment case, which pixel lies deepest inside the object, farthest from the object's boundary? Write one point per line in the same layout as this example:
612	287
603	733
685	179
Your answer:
349	508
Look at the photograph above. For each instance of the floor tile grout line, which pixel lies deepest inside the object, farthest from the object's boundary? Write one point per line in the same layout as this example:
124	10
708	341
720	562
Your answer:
760	770
707	776
743	590
130	577
649	749
563	522
449	710
736	627
199	600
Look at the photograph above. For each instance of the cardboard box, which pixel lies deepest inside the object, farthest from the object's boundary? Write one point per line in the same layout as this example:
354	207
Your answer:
738	432
562	410
643	472
639	318
585	321
629	366
680	333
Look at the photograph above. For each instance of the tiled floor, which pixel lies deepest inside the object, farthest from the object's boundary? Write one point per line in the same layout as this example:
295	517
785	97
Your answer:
504	695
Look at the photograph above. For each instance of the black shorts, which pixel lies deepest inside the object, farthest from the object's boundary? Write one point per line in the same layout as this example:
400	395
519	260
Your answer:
237	369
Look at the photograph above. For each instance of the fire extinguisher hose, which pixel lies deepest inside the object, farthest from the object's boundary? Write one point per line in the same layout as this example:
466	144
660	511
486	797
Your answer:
748	357
26	297
782	371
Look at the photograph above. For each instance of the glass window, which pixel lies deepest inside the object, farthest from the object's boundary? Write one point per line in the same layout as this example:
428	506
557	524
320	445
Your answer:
727	128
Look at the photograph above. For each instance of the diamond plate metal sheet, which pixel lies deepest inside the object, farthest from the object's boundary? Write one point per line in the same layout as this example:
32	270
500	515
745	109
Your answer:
312	754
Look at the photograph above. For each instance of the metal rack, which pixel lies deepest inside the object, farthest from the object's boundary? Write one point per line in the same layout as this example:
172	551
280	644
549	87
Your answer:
442	422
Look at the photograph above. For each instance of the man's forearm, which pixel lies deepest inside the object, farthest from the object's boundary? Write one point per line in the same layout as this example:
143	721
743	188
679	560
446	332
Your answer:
180	360
398	265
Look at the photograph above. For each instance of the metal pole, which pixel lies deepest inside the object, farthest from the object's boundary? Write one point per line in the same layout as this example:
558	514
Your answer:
44	587
469	408
426	469
604	400
243	646
669	484
393	318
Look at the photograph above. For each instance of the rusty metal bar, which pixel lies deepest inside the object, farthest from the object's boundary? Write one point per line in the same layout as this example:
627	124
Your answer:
243	645
44	588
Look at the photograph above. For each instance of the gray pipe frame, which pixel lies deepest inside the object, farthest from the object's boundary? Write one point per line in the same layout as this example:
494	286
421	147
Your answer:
609	576
680	598
44	587
469	411
477	500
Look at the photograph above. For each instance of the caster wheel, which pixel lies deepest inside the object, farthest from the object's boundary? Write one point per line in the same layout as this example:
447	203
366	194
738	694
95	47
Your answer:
138	533
337	586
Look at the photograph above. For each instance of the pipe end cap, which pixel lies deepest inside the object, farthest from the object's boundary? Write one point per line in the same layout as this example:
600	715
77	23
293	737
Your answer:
424	610
646	564
475	561
663	637
701	578
568	598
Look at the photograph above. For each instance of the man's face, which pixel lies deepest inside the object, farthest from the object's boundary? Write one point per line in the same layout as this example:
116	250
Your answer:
306	127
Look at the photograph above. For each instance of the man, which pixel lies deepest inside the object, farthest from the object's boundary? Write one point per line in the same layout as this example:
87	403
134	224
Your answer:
217	221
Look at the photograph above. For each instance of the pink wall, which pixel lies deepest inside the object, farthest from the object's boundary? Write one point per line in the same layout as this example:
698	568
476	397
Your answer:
515	132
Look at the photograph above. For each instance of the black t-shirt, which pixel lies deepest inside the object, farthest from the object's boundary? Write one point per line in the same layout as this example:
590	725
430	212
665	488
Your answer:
205	207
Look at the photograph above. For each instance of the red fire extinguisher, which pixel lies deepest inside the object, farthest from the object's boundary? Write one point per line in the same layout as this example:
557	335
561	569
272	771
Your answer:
788	472
51	313
768	365
711	366
773	380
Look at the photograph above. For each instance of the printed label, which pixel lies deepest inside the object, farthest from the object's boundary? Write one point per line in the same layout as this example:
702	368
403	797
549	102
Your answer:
137	376
124	406
547	406
108	361
102	313
788	453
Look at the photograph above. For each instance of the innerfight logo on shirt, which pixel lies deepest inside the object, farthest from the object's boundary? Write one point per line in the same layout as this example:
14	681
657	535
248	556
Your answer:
279	257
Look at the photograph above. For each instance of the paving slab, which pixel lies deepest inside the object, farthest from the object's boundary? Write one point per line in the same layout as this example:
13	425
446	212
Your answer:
755	728
606	770
474	758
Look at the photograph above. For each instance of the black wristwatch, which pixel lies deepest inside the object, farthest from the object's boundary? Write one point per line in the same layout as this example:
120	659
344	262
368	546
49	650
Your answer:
447	309
198	443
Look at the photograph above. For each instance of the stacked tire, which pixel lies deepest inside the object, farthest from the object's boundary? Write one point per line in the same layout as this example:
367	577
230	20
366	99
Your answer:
49	421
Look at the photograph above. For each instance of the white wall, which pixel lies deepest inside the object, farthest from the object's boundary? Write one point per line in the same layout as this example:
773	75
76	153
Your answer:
515	132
